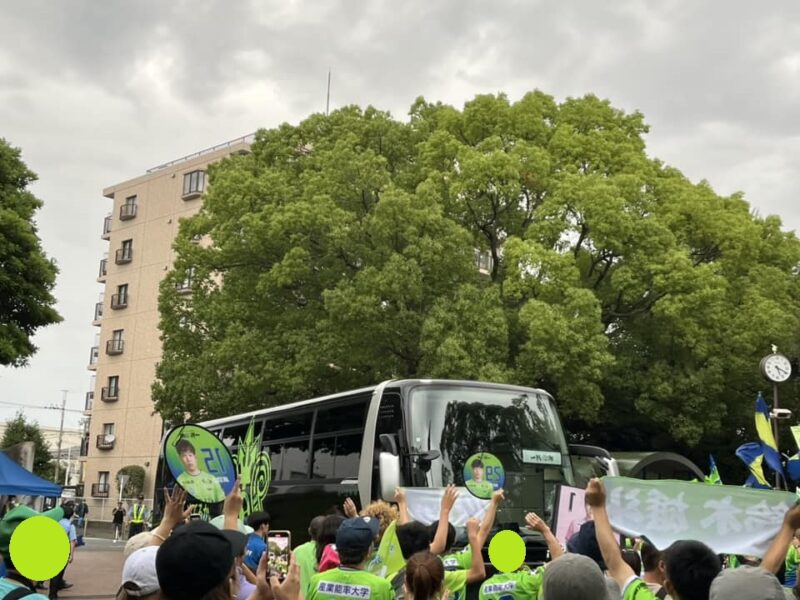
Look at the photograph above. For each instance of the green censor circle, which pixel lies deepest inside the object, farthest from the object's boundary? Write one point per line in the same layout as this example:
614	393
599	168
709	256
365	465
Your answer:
507	551
39	548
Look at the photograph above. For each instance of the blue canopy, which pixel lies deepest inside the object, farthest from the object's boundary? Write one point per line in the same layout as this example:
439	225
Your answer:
18	481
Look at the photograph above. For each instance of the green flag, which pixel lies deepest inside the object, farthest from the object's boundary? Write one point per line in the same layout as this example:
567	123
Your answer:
388	560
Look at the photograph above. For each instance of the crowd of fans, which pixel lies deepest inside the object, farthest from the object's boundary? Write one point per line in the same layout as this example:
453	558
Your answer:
185	559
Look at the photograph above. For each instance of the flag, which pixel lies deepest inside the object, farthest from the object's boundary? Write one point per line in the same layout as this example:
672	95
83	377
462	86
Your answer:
752	454
793	467
771	455
713	475
388	560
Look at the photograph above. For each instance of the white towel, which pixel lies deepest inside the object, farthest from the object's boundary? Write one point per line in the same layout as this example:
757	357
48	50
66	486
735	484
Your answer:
424	505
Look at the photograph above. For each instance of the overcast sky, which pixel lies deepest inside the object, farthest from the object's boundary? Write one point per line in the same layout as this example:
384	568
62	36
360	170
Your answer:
97	92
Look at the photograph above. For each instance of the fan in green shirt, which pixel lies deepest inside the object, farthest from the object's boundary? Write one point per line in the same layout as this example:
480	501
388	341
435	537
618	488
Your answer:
354	541
198	484
518	585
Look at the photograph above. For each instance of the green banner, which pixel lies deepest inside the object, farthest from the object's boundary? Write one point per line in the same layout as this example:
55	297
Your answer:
729	519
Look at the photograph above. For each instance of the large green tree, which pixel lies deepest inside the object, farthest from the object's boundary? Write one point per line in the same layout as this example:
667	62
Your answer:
19	430
27	276
343	253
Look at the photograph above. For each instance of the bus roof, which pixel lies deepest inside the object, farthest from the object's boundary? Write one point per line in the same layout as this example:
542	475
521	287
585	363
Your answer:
394	383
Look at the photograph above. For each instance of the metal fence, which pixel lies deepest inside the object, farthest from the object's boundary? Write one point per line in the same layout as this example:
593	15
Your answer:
101	509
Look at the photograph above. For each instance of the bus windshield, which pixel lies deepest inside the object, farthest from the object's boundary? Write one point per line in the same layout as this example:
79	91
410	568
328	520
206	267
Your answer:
521	429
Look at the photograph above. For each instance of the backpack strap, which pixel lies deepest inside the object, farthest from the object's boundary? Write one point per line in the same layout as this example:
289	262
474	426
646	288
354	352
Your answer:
662	593
20	592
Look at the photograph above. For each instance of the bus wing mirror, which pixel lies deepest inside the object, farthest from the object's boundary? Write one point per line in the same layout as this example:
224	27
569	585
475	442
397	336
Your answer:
388	443
389	470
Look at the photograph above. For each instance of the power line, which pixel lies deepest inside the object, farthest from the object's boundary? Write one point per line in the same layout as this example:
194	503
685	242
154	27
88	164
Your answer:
75	410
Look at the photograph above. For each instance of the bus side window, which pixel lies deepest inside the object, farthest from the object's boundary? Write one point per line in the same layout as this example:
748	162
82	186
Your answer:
295	459
348	456
276	458
324	451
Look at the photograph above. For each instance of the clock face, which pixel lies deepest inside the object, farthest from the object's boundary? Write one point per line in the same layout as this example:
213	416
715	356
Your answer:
777	368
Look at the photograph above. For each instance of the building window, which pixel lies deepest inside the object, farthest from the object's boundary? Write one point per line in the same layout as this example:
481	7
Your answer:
116	345
186	285
108	429
120	299
102	477
112	389
125	253
194	183
128	210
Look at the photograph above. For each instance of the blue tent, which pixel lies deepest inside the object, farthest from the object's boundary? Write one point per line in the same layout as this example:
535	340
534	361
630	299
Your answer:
18	481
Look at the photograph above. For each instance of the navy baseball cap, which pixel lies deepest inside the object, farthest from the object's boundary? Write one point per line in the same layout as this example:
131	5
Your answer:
356	535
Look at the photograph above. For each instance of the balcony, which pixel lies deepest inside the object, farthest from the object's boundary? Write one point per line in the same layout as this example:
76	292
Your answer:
94	354
127	212
184	287
119	301
98	314
123	256
87	407
109	394
106	228
105	441
101	276
115	347
100	490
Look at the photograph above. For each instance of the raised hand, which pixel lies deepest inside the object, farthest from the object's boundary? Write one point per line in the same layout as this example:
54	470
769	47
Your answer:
596	494
449	498
350	509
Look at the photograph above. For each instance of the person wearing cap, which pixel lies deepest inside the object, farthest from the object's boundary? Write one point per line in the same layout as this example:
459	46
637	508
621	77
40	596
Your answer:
139	577
354	541
14	581
137	517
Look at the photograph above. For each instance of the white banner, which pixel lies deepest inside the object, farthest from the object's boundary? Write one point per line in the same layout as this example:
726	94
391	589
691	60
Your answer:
424	505
729	519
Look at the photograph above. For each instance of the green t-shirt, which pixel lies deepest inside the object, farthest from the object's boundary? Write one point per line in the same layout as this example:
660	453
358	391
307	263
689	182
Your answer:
792	563
637	590
203	486
348	583
305	555
518	585
453	563
482	489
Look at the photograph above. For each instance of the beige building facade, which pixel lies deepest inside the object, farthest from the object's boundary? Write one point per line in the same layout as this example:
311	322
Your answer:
121	426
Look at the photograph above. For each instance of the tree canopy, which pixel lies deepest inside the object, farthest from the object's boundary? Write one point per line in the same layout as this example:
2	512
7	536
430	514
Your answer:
27	276
19	430
343	252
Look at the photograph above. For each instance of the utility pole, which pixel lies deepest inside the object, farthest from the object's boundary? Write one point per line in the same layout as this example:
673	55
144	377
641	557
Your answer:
328	100
61	431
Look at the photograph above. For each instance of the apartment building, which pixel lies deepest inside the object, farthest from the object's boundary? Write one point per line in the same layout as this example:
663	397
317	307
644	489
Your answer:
121	427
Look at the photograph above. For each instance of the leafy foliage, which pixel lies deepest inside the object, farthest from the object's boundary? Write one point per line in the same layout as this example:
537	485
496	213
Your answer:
27	276
19	430
346	245
135	483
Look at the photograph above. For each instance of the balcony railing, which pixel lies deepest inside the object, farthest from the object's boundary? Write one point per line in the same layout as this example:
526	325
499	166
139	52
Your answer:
101	276
115	347
100	490
105	441
184	287
106	228
123	256
109	394
94	354
98	311
127	212
119	301
89	401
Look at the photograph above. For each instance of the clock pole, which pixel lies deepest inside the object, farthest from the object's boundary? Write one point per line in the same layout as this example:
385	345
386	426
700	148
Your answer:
775	407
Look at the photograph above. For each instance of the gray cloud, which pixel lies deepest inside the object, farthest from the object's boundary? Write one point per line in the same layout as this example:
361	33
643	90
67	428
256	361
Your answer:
95	93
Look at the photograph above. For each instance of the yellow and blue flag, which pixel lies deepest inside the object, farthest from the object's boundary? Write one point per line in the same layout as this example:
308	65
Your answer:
771	455
793	467
752	454
713	477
